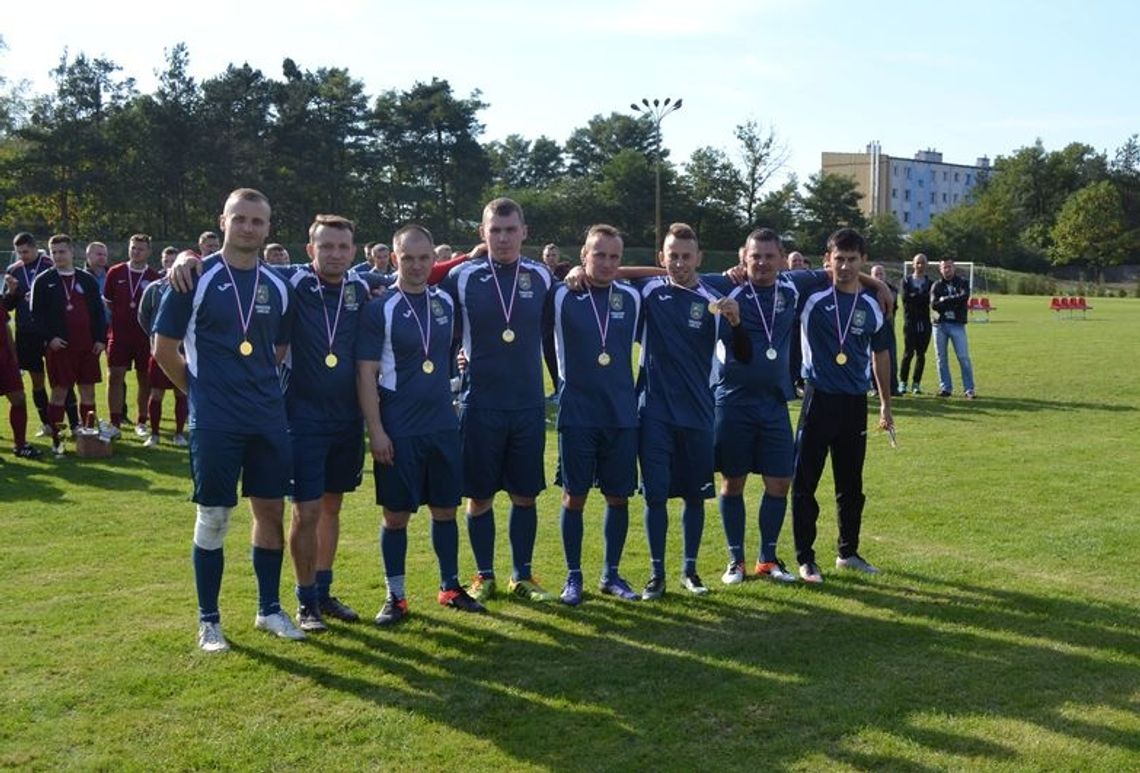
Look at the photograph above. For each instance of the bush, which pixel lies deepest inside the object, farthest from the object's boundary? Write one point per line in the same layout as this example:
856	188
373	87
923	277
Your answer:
1034	284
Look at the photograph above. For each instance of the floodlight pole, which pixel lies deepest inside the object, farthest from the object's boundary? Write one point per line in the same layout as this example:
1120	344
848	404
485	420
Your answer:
656	110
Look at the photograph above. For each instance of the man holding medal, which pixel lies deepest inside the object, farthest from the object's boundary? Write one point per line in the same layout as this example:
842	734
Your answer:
128	345
502	415
235	326
594	331
403	357
844	334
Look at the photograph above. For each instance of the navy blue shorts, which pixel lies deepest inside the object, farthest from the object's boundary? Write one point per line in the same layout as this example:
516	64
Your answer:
503	451
675	461
327	463
263	460
426	470
754	438
596	456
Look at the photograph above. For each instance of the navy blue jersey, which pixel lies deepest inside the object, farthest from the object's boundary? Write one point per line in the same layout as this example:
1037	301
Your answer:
228	391
500	374
593	394
392	332
317	397
148	304
763	379
820	332
25	274
678	353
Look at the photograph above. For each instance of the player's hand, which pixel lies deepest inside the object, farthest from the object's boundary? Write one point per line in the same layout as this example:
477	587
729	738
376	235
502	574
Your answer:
382	450
478	251
183	272
575	279
886	301
730	309
10	281
98	348
738	274
56	344
461	360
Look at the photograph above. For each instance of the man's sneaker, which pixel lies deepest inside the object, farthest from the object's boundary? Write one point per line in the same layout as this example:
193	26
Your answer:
110	431
617	586
393	611
180	441
774	570
902	388
27	451
943	392
734	574
855	562
899	392
809	572
57	448
654	589
210	638
142	430
333	607
692	583
458	598
916	389
44	431
309	620
970	394
482	588
530	590
572	590
279	625
152	441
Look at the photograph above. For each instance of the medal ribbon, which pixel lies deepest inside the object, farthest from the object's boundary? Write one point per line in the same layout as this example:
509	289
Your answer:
769	329
24	267
67	290
603	329
244	317
507	309
131	283
423	330
331	330
851	315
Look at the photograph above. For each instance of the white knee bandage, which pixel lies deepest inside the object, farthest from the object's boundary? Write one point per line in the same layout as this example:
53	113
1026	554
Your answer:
211	526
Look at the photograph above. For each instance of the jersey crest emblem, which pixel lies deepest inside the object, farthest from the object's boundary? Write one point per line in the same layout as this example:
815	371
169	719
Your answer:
436	308
350	294
860	318
262	295
616	302
524	281
696	310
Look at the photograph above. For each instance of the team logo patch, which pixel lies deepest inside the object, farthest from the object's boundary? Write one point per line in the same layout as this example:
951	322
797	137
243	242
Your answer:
781	304
524	281
616	302
860	318
262	295
436	308
696	310
350	294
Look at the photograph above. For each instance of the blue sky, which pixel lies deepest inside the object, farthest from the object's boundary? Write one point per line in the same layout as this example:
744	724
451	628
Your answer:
968	78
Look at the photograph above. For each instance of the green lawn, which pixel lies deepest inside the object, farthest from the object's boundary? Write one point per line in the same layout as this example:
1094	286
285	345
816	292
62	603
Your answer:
1002	634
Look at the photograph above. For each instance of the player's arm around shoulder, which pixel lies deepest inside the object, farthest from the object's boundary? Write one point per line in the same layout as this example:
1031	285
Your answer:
369	349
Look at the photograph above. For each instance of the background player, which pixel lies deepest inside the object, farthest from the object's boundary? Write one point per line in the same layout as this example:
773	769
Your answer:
11	384
916	322
159	383
29	343
128	344
949	297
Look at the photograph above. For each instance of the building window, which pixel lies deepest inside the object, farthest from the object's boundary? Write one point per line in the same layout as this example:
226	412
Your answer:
933	175
967	178
906	217
918	205
932	195
943	198
895	169
906	195
894	193
955	198
921	183
944	176
908	173
955	177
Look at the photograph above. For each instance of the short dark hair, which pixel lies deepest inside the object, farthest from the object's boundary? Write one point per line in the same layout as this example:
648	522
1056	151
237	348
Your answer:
331	221
23	238
765	235
681	231
412	228
140	238
847	239
207	235
59	239
503	207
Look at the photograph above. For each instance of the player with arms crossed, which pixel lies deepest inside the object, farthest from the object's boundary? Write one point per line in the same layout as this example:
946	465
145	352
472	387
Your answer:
235	326
403	354
844	334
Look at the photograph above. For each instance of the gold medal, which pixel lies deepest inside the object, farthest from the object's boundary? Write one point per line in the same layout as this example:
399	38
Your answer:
714	308
603	359
330	360
246	348
508	335
428	367
841	359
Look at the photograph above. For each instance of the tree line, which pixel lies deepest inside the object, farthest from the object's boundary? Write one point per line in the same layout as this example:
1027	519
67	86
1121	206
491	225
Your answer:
96	157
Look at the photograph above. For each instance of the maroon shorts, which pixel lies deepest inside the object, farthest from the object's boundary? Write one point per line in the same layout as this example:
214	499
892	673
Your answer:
66	367
10	380
127	352
157	376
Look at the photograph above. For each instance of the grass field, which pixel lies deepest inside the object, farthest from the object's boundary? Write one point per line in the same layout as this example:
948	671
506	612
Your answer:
1002	634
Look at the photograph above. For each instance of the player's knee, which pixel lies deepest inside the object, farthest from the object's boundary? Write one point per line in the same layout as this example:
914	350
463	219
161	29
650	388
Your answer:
211	526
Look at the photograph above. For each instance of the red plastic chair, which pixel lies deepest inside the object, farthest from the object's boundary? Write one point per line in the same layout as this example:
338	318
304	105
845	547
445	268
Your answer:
1055	305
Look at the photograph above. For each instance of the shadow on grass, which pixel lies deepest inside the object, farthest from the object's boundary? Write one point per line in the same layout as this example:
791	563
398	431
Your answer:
699	683
959	408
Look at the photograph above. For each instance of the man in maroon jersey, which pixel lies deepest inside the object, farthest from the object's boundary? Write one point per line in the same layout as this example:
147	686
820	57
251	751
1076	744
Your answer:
11	384
68	314
128	344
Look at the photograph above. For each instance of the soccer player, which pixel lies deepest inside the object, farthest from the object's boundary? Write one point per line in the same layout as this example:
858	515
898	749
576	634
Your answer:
916	322
878	272
95	263
559	268
208	243
443	253
235	327
167	258
675	403
276	255
949	297
752	429
844	335
403	355
159	383
128	344
594	331
502	416
11	384
69	316
29	344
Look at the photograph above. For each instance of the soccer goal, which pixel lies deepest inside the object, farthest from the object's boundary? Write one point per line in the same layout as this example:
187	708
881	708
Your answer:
969	268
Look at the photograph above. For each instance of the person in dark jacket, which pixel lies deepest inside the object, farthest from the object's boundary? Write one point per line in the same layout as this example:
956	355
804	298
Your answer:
949	297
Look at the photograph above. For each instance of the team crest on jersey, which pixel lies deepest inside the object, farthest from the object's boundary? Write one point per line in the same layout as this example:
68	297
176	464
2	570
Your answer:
524	281
781	304
860	318
262	295
616	302
436	308
696	310
350	295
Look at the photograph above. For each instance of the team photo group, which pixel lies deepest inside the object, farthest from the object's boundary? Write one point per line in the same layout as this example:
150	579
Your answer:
287	375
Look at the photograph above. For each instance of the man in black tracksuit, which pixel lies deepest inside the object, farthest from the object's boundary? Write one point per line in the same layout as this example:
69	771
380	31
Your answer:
916	322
